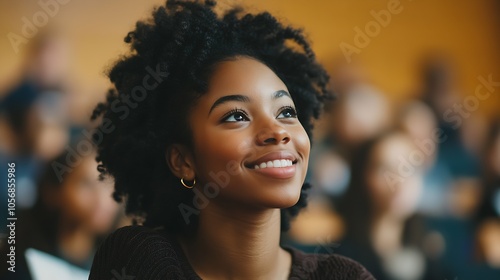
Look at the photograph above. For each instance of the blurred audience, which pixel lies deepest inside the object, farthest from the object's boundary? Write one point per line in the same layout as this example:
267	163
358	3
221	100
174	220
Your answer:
413	198
440	92
488	215
62	210
472	231
358	113
72	212
419	122
383	230
34	117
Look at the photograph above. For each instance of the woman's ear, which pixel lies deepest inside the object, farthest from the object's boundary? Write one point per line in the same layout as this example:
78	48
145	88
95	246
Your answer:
180	161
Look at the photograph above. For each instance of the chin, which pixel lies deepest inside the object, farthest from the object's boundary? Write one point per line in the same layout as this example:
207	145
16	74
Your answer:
283	199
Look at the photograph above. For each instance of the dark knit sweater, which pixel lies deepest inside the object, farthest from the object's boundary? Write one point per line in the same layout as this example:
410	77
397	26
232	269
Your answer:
136	252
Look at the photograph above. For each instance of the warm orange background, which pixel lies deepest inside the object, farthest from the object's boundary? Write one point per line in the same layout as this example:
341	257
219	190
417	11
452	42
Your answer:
467	30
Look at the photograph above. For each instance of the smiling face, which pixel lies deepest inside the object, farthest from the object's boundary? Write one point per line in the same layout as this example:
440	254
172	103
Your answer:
246	134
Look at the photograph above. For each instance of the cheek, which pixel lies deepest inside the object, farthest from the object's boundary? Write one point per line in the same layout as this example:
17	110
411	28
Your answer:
302	144
218	151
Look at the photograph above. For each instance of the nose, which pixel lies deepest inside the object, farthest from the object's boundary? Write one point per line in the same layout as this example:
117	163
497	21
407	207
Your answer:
273	134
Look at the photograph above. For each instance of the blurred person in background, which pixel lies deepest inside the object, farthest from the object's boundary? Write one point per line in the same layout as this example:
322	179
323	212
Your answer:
486	260
472	233
346	75
383	231
34	118
40	94
490	205
459	161
441	93
60	233
358	113
419	122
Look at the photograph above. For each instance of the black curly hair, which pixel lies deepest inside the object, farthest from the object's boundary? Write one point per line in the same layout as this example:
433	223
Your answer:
183	42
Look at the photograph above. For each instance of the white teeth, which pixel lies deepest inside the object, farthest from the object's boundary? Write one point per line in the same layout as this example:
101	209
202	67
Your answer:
275	163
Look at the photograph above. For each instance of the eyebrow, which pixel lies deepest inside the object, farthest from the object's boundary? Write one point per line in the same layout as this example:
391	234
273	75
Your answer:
227	98
244	98
281	93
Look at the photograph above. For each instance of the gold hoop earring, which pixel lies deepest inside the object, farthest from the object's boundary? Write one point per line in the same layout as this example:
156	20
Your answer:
184	184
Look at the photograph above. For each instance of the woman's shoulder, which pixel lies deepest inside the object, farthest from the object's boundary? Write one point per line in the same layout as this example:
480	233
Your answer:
326	266
135	235
131	240
137	250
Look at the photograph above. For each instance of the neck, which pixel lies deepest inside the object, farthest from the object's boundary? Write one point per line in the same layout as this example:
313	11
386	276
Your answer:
387	234
75	243
244	243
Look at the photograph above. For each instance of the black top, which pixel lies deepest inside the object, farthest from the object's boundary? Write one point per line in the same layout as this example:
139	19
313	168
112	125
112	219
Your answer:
137	252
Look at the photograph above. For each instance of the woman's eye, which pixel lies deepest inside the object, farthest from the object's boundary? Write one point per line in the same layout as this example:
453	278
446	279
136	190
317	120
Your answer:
287	113
236	117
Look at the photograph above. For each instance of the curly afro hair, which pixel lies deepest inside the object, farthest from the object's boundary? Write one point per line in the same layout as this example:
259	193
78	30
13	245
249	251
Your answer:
179	47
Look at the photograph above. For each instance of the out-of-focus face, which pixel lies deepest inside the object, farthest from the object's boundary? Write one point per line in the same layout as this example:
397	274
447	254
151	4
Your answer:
86	201
46	133
419	121
420	124
246	133
51	133
50	62
361	115
394	181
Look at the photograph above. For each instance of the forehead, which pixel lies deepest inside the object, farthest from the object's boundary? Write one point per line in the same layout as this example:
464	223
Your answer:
243	75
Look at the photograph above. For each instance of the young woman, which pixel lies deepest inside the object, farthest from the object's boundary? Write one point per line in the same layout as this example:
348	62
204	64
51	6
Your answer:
72	214
207	135
383	230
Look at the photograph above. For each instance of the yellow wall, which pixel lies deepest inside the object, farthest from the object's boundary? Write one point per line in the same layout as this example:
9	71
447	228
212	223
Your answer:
468	30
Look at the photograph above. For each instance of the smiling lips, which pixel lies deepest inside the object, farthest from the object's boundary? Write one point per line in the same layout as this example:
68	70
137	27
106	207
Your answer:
280	165
274	163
